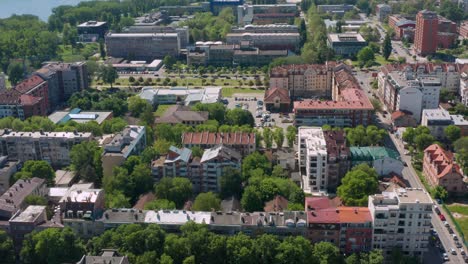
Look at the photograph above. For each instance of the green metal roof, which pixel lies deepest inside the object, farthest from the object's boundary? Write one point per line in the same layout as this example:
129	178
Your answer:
372	153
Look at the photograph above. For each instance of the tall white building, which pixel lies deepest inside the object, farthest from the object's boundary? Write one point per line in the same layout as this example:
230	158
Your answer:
401	219
313	159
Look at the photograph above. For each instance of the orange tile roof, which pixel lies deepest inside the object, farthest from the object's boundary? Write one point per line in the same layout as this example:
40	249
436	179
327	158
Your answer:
271	93
442	160
354	214
28	84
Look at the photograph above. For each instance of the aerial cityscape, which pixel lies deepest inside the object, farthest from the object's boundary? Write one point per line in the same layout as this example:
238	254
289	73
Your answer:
234	131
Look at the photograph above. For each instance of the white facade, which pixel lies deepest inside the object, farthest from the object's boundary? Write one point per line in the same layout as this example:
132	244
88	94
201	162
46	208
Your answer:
313	159
464	88
387	165
401	219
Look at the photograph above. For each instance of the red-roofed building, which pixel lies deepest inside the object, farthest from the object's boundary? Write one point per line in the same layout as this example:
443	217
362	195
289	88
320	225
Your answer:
277	99
240	141
356	229
403	119
440	169
323	220
22	106
403	27
463	29
37	87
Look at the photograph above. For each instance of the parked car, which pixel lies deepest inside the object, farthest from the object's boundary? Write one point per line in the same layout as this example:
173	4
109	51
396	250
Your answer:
445	257
453	251
454	237
436	209
442	217
450	230
458	244
446	223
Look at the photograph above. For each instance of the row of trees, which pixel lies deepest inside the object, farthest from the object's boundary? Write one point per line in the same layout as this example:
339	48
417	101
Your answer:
206	26
148	244
101	100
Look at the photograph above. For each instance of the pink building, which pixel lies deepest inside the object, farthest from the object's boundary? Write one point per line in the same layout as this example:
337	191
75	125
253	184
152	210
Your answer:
440	169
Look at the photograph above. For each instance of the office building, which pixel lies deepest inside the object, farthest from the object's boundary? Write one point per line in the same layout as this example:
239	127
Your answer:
92	31
76	115
143	46
401	219
217	5
53	147
313	158
383	11
338	10
157	96
303	81
384	160
245	143
403	27
266	14
346	44
118	147
440	169
266	41
7	169
267	28
439	119
182	32
12	200
430	27
63	79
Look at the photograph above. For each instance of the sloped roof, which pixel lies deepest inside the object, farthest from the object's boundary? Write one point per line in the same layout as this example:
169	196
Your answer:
373	153
442	160
272	93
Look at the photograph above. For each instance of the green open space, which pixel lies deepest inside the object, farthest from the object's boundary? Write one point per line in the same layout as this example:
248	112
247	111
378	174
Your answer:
460	216
161	110
229	92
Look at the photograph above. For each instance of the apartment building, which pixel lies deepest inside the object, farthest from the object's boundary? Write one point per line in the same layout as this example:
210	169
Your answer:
12	200
245	143
118	147
440	169
53	147
402	26
438	119
175	164
266	41
430	27
63	79
82	202
182	32
179	114
7	169
406	92
338	158
268	28
464	84
25	222
355	229
108	256
266	14
346	44
303	81
313	159
401	219
143	46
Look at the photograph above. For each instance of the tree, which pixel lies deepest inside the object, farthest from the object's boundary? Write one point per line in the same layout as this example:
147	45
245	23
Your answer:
189	260
295	250
116	199
453	133
461	149
177	189
252	199
423	141
239	248
357	185
102	49
366	56
86	161
265	248
291	135
108	74
207	202
137	105
278	172
169	61
197	152
387	47
7	251
37	168
52	245
160	204
239	117
35	200
326	252
69	35
278	136
231	183
440	193
268	137
255	161
15	72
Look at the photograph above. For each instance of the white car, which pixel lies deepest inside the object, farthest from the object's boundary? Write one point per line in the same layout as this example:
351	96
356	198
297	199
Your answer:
446	224
453	251
445	257
462	252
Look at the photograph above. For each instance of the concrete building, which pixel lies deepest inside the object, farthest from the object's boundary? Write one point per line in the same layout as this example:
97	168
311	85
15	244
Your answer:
313	158
179	114
430	27
245	143
175	164
385	161
53	147
403	27
267	28
64	178
303	81
22	106
118	147
338	158
12	200
266	41
143	46
25	222
182	32
157	96
356	229
206	177
323	222
346	44
407	91
383	11
440	169
266	14
401	219
464	85
92	31
108	256
191	9
217	5
63	79
438	119
7	169
81	202
335	9
76	115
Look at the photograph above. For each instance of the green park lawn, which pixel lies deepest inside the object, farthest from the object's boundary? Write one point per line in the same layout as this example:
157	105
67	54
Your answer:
462	218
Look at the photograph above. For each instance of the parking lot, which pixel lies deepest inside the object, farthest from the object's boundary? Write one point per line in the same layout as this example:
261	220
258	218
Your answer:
249	102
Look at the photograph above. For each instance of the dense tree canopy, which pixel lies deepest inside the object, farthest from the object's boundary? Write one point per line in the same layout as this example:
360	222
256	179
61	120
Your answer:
177	190
37	168
365	136
357	185
86	161
205	26
207	202
7	252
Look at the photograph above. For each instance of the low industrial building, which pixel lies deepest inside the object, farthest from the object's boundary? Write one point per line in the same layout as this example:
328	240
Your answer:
277	100
385	161
92	31
159	96
76	115
266	14
266	41
64	178
346	44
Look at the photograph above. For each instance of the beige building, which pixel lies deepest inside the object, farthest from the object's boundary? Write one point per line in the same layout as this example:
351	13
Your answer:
53	147
310	80
401	219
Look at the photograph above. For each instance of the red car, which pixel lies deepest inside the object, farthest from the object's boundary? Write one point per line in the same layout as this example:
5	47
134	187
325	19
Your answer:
442	217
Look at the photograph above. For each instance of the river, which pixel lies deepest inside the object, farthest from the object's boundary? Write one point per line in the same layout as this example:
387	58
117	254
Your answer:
40	8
